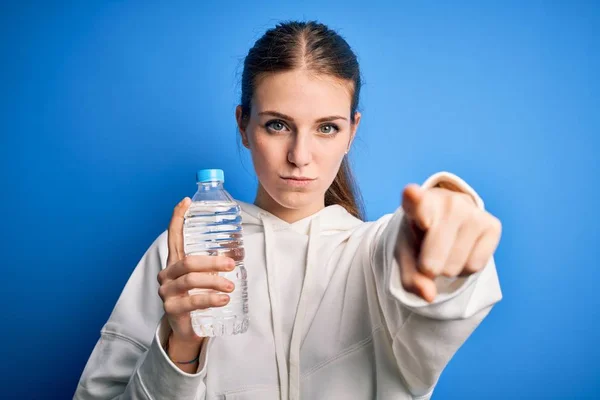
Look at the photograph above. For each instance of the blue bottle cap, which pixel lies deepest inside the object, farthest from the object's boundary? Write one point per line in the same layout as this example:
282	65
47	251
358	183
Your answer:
210	175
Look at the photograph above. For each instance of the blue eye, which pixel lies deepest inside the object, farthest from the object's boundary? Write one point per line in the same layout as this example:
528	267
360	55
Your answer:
275	125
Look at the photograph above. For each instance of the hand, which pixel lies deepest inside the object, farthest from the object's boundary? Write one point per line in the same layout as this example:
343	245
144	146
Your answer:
442	233
185	273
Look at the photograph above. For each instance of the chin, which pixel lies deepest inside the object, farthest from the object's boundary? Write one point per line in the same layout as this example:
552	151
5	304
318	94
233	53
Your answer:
295	200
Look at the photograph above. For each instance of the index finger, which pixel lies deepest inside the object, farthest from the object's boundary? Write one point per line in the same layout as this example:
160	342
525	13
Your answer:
417	205
175	232
200	263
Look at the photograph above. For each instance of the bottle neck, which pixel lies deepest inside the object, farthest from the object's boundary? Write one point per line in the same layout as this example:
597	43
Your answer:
210	185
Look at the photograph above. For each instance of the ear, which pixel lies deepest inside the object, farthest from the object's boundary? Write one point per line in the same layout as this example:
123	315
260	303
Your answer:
353	129
241	126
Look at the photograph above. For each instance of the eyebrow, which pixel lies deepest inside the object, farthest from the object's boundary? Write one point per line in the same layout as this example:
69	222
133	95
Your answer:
287	117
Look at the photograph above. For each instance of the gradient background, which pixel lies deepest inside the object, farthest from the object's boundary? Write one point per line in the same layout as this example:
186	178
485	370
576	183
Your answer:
107	109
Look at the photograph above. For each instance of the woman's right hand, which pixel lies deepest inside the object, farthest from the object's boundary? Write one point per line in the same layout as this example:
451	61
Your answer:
186	273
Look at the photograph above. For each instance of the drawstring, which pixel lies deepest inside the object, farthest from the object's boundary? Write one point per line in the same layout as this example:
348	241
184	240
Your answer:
289	385
305	297
275	314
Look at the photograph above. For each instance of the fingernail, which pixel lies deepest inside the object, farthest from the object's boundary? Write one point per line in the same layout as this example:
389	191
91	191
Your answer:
223	298
229	286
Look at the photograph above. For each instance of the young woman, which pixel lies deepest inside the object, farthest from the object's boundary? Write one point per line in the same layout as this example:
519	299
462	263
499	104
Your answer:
339	308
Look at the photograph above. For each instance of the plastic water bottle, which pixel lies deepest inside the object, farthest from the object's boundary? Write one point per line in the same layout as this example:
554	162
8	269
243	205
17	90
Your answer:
213	226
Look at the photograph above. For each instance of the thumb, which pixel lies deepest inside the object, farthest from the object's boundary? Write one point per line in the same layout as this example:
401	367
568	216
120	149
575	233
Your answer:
175	232
412	279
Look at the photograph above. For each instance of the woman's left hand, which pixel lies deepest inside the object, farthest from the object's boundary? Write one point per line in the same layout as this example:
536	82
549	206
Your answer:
443	232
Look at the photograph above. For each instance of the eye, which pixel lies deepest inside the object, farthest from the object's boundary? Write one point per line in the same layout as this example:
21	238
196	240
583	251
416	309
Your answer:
329	129
275	125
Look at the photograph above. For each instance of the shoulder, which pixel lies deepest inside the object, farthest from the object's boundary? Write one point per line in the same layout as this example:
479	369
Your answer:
158	252
376	226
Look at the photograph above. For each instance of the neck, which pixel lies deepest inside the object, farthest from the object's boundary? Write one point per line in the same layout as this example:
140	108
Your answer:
289	215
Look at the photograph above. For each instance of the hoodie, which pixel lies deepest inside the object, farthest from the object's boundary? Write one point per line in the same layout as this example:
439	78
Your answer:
329	319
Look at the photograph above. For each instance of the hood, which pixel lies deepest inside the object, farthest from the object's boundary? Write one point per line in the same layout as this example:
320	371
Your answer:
332	219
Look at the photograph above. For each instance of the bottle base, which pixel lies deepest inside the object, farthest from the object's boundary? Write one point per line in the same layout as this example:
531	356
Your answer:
210	326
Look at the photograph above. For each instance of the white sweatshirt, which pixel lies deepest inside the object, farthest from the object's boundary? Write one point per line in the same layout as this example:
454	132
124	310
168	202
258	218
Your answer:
329	319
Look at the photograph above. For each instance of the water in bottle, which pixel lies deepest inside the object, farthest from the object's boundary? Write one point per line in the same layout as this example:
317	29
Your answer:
213	226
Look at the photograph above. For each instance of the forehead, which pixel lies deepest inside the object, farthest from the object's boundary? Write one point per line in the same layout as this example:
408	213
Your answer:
302	94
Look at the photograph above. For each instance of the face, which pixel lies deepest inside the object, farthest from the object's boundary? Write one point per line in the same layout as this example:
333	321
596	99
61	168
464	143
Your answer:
298	133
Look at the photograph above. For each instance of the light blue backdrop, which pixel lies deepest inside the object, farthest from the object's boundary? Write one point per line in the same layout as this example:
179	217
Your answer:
108	108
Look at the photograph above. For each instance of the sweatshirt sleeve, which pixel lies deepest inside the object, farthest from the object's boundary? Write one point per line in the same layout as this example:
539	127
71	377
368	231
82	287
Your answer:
129	361
424	335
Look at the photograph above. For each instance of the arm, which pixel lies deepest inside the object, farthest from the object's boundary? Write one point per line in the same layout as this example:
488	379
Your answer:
426	335
129	361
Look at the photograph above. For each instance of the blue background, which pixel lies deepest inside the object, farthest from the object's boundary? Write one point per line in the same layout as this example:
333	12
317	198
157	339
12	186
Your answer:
107	109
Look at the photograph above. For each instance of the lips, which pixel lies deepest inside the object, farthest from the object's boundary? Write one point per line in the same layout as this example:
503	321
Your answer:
298	178
297	181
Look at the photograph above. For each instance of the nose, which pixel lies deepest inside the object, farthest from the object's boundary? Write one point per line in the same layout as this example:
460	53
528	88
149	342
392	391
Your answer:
300	151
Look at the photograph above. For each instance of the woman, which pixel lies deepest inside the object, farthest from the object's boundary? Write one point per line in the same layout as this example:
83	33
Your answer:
339	308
